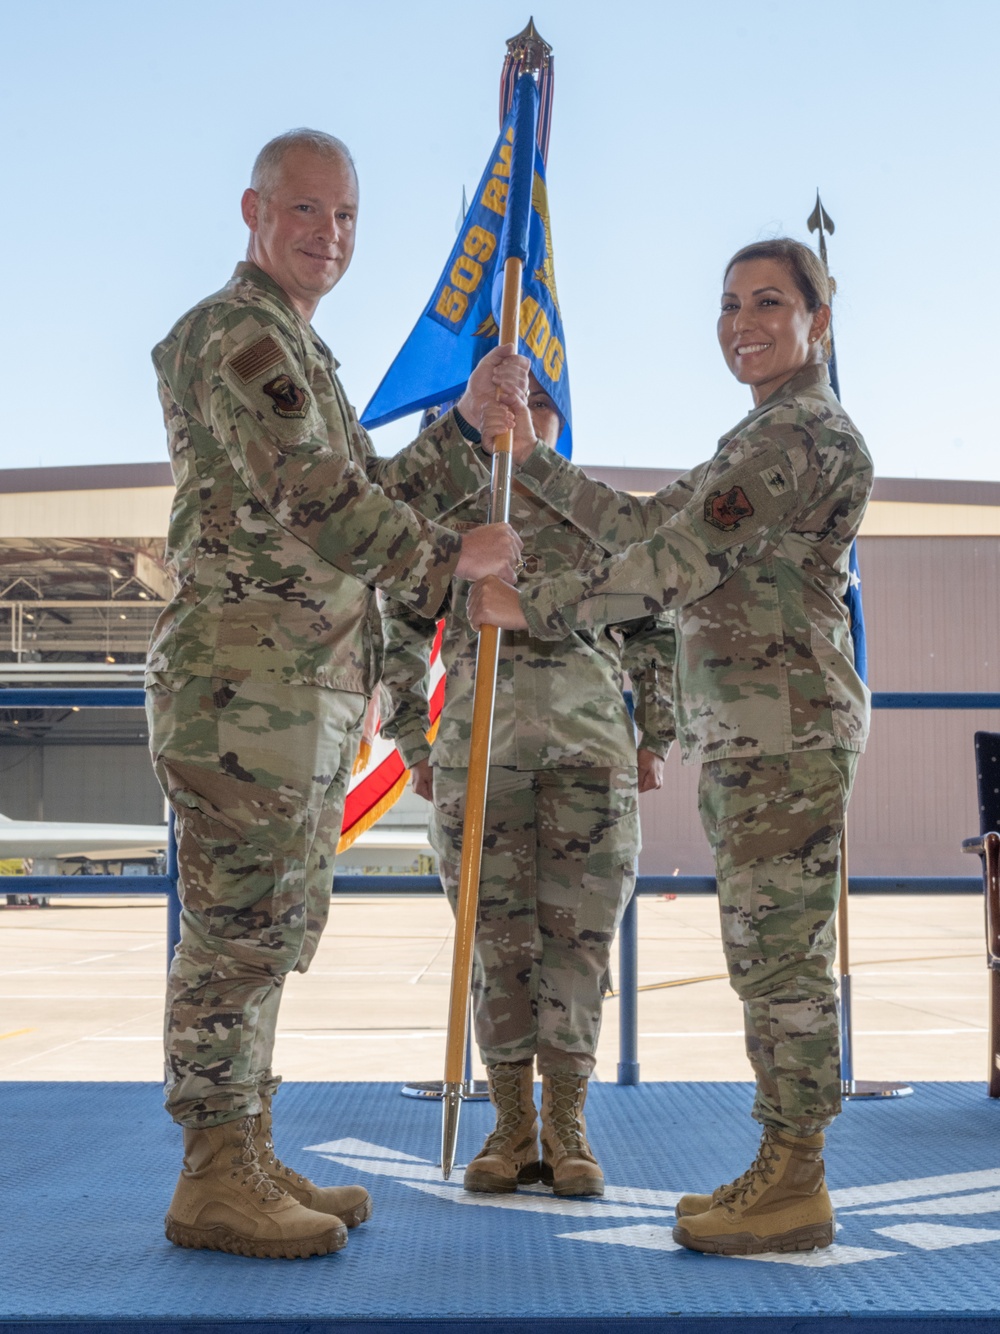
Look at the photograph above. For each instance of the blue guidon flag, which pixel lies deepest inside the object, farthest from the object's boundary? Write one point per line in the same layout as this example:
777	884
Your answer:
852	598
857	616
820	221
459	324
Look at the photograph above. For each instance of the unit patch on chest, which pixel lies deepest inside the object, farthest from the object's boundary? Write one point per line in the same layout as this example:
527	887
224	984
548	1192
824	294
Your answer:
288	400
257	359
725	509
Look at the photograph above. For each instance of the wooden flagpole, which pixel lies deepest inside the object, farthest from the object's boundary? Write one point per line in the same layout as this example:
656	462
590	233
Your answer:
528	53
479	764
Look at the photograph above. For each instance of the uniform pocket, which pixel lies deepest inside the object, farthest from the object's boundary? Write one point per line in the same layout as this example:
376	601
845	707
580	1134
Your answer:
776	838
241	853
233	806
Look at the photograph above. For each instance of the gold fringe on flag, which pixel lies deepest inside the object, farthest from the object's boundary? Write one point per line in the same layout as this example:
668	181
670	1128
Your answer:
377	811
368	730
361	759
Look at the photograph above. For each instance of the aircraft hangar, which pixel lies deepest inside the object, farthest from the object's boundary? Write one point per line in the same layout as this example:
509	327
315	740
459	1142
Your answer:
82	579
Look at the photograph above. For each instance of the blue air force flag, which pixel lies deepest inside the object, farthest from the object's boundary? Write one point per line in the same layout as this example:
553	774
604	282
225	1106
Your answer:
459	324
854	610
852	598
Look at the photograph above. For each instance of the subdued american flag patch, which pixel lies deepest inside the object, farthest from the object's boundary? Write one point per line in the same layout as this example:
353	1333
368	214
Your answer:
257	358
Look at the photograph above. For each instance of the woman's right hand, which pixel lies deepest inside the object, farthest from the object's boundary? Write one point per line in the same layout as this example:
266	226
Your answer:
493	602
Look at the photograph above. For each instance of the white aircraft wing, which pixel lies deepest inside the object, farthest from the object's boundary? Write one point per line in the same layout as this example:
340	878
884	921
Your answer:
100	842
112	842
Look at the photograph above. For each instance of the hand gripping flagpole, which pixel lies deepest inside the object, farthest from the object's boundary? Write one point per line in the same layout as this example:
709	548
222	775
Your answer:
820	221
514	243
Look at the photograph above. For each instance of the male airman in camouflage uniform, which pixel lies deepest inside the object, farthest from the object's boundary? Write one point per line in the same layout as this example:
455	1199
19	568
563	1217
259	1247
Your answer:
561	833
284	523
750	550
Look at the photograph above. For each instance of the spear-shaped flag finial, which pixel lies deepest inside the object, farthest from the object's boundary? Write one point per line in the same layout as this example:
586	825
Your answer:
820	221
530	53
530	49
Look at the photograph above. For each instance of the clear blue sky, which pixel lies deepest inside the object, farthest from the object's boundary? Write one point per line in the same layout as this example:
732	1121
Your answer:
680	134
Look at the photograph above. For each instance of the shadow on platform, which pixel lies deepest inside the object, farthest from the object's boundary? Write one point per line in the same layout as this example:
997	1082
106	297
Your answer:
916	1184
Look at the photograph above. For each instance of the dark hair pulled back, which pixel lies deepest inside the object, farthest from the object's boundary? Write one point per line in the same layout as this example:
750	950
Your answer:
807	269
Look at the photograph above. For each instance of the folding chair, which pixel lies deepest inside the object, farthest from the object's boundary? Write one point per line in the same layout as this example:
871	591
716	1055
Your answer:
987	845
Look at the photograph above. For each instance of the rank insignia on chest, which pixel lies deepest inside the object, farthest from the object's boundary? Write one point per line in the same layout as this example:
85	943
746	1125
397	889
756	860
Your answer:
288	399
725	509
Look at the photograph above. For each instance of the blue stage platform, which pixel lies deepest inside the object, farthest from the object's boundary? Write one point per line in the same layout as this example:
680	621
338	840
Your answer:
88	1169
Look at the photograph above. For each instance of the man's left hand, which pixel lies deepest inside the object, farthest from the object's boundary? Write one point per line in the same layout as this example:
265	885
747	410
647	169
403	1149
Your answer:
502	374
492	602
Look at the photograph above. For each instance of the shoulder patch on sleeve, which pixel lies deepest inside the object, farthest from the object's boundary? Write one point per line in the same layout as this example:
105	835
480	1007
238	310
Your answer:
288	399
776	480
257	359
742	504
727	508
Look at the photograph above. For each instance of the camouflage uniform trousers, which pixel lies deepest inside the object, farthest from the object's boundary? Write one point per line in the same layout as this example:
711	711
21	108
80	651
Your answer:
256	774
774	823
558	869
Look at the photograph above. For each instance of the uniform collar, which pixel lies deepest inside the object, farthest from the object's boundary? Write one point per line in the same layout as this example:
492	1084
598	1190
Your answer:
806	378
247	271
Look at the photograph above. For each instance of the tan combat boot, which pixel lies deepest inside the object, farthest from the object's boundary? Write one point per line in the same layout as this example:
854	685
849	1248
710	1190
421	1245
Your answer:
351	1204
225	1202
779	1204
568	1165
697	1204
509	1157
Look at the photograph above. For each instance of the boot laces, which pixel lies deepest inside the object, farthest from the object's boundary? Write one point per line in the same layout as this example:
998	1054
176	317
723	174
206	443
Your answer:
747	1186
253	1176
565	1119
275	1167
507	1100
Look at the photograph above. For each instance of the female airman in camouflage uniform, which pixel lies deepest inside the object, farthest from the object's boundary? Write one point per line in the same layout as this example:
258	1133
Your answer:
561	835
751	551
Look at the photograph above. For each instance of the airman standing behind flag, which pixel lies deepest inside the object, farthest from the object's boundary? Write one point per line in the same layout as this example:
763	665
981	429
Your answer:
284	523
561	829
751	550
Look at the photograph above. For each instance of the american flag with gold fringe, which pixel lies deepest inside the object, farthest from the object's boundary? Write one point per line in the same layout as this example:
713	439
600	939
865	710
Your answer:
379	772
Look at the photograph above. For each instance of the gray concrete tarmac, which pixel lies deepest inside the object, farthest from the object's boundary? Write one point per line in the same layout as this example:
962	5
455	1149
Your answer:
81	987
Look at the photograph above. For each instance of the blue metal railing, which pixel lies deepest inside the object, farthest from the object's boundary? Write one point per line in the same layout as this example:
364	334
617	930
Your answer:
628	942
936	699
72	697
628	932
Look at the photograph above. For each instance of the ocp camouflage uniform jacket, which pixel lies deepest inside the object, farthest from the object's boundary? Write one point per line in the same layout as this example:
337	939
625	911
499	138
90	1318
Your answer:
751	551
284	517
557	704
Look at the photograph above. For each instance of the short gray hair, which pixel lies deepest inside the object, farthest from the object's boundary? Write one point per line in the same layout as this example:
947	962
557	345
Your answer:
267	166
